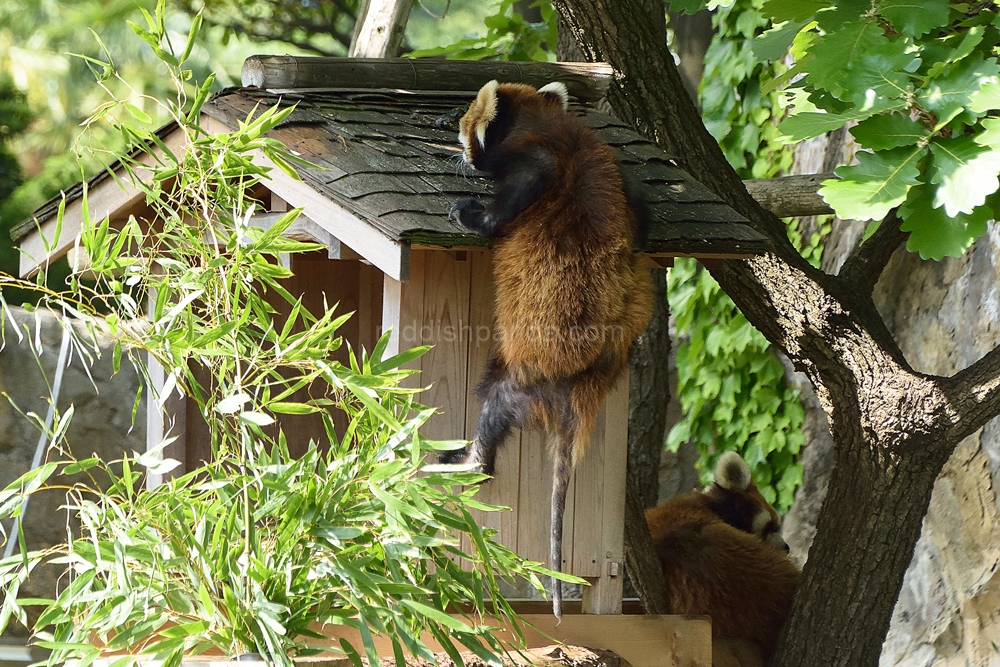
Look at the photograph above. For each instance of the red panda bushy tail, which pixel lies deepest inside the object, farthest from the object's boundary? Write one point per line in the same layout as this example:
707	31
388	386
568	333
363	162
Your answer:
562	469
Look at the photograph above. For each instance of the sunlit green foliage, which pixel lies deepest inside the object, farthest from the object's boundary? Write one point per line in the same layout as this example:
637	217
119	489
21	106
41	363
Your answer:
508	37
249	551
921	80
737	106
40	45
732	388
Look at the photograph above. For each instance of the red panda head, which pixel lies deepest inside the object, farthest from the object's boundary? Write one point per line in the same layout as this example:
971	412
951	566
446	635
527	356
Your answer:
736	500
492	114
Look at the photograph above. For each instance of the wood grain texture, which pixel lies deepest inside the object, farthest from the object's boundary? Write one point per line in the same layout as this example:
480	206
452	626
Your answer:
503	488
444	326
605	594
585	81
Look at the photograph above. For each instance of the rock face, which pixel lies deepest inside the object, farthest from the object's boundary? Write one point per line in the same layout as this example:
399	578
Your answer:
101	424
945	316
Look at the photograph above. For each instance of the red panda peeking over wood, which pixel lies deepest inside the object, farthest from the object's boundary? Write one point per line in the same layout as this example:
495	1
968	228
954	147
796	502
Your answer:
723	556
572	296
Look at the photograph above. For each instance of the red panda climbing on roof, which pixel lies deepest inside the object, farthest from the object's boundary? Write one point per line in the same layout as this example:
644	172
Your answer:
571	294
723	556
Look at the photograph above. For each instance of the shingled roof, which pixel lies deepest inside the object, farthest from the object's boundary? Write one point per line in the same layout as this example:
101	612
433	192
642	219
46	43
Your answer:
389	155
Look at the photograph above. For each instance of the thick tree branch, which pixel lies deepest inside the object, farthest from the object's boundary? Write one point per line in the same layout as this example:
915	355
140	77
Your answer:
864	266
975	393
641	561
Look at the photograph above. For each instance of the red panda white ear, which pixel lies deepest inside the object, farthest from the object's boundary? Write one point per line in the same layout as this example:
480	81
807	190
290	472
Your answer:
485	109
557	90
732	473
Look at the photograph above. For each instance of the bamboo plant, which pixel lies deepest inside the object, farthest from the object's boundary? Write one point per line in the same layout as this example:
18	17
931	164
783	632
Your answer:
254	550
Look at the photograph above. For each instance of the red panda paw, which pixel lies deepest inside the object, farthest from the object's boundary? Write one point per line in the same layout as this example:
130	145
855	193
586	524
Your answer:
469	212
467	456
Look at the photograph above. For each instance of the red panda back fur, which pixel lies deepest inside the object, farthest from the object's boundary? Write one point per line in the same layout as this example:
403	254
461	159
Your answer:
713	568
569	289
572	295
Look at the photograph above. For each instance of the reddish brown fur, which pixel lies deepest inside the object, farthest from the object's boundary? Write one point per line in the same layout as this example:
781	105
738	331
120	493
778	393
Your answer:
571	294
600	286
712	568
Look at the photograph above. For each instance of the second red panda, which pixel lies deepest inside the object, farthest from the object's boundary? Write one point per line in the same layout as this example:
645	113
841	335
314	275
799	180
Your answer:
723	556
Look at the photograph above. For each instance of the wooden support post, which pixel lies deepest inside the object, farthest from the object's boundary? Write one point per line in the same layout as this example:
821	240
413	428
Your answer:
170	421
403	306
610	454
166	413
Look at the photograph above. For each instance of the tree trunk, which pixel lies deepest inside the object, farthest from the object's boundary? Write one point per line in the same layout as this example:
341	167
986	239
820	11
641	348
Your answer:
649	394
692	35
893	428
380	27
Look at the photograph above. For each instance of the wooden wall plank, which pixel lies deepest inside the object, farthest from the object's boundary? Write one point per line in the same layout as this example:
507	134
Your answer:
445	326
605	595
535	501
369	307
503	489
588	557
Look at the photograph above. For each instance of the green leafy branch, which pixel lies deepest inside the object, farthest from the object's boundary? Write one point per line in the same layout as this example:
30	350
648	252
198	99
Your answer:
920	80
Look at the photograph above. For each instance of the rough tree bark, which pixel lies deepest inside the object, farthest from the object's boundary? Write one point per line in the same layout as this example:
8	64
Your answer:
649	394
893	428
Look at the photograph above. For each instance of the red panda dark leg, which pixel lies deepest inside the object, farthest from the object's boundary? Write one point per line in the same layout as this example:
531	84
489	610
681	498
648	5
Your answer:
505	406
562	470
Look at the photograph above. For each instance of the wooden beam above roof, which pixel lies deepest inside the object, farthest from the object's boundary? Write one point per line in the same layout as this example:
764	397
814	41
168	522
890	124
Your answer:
585	81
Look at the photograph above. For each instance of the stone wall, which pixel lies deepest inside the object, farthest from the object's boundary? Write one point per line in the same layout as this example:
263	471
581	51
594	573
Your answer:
945	316
101	424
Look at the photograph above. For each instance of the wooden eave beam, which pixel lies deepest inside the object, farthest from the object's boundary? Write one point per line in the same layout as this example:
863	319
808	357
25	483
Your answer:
391	256
304	229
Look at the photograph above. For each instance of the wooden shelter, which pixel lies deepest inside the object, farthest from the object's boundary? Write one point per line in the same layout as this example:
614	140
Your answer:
383	133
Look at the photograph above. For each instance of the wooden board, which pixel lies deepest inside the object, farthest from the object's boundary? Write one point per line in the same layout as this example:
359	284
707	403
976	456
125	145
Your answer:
609	454
644	641
445	326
